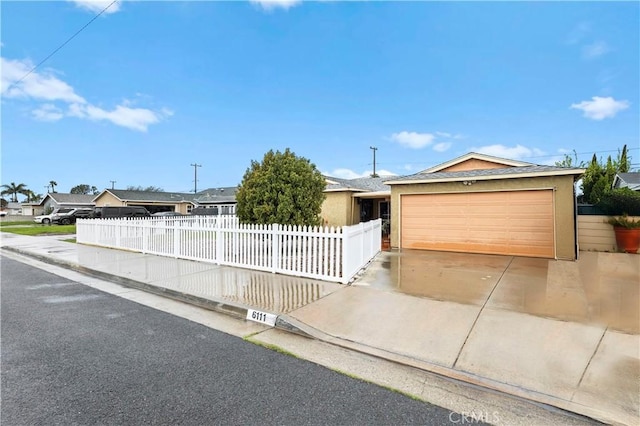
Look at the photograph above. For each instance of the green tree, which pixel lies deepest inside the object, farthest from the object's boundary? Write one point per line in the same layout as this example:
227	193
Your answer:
141	188
13	190
83	188
283	188
53	184
571	161
32	197
597	180
623	162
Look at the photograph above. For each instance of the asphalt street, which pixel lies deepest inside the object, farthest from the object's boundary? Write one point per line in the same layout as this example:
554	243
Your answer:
73	355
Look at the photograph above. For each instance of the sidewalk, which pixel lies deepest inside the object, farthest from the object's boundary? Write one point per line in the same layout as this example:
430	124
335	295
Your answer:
586	368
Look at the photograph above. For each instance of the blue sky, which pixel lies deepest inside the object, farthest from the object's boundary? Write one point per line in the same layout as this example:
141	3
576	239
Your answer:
150	88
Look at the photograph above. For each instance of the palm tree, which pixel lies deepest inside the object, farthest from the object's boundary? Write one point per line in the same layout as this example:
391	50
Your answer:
52	184
13	190
32	197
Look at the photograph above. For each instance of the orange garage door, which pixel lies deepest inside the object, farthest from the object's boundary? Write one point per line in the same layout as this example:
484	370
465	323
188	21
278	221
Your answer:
516	223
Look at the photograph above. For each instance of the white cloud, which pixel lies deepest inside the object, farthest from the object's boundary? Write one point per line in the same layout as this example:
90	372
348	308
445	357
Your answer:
592	51
96	6
510	152
413	139
600	108
47	112
44	86
449	135
442	146
132	118
38	86
578	33
350	174
274	4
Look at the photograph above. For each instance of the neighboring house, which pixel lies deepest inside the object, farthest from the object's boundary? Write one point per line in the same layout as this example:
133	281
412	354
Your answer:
13	209
153	201
627	180
223	199
32	209
351	201
482	204
56	200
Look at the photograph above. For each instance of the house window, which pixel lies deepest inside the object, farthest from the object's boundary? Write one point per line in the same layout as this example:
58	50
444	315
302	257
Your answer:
189	208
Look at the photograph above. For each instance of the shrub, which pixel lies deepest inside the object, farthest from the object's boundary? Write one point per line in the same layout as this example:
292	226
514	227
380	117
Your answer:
620	201
283	188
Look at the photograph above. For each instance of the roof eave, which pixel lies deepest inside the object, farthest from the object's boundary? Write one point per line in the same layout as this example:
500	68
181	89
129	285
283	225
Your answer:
478	156
344	190
572	172
373	194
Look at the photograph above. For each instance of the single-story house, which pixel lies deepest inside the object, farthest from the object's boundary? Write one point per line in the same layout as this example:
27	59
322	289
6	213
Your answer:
32	209
627	180
56	200
223	199
153	201
478	203
13	208
351	201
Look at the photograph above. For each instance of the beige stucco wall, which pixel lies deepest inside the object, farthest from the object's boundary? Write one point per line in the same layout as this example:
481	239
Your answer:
564	203
108	199
594	234
337	209
474	164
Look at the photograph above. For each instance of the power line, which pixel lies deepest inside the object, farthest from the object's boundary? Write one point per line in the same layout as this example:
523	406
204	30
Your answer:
61	46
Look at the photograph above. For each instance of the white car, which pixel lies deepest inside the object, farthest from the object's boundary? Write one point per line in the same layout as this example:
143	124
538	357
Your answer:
46	218
3	213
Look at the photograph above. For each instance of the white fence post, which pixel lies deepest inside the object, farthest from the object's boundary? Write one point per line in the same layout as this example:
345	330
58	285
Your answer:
275	247
219	243
145	236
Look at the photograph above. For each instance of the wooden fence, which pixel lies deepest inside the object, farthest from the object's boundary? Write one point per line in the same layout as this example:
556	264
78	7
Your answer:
331	254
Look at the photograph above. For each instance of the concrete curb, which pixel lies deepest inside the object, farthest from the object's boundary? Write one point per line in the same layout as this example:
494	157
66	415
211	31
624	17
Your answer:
449	373
292	325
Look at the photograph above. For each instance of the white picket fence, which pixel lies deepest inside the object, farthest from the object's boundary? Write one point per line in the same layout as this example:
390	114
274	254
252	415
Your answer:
332	254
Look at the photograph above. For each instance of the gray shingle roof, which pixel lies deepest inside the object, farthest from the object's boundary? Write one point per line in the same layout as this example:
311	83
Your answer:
358	184
217	195
630	178
61	198
470	174
171	197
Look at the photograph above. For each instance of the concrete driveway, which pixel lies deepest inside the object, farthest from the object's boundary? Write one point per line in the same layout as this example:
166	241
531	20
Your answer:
599	288
562	333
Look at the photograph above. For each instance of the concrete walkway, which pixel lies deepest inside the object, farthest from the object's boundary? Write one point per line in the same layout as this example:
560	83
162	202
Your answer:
585	360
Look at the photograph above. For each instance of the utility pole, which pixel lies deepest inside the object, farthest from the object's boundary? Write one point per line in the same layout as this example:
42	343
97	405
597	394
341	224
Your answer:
112	183
374	149
195	177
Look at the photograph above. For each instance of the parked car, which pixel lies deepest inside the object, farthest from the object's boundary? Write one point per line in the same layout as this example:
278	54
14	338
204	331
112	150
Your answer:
123	211
3	213
166	214
46	218
68	218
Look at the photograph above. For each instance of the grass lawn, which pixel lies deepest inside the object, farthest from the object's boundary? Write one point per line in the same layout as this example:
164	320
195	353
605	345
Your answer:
30	228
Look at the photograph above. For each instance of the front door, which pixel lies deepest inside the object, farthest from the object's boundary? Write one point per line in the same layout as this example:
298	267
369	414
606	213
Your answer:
366	210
